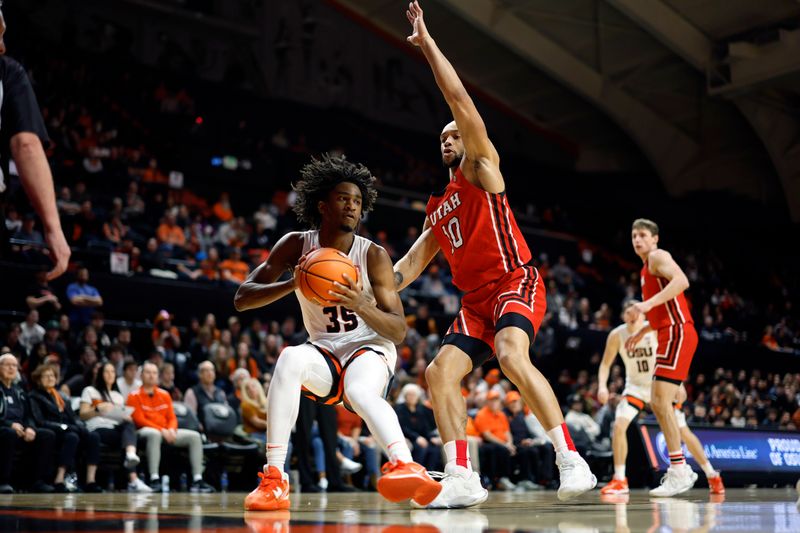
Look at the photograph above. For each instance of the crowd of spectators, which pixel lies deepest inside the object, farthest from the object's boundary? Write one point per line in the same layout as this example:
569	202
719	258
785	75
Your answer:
120	197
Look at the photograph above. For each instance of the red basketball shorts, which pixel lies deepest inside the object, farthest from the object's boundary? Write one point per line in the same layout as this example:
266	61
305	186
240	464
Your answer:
676	347
517	299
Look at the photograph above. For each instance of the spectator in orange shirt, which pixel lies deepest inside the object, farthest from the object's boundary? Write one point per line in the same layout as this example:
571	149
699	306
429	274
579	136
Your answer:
498	446
244	359
155	420
222	209
171	237
356	446
234	270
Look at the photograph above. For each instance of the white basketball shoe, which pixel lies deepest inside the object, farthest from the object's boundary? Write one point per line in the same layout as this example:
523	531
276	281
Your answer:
678	479
460	488
576	477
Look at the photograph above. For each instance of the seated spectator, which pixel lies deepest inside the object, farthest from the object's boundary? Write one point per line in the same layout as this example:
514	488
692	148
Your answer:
234	271
166	336
239	376
244	360
73	387
129	381
222	209
204	393
51	409
28	232
17	428
498	445
31	332
355	446
166	381
84	299
103	410
42	298
584	429
419	428
254	410
156	424
171	237
535	457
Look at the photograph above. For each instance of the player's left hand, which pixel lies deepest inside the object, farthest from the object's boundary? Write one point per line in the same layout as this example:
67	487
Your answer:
351	295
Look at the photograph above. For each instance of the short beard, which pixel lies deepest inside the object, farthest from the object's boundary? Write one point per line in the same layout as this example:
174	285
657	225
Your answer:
347	229
455	163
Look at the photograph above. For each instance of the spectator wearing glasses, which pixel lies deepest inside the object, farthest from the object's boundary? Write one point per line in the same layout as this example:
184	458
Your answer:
17	428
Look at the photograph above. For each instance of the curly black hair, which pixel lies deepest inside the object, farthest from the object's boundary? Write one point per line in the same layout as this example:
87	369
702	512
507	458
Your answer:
319	177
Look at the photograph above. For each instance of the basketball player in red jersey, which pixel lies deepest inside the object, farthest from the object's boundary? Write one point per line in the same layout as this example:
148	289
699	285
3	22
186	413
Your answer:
504	300
663	283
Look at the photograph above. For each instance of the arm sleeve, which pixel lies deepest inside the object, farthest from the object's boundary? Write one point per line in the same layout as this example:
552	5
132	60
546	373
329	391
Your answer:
20	111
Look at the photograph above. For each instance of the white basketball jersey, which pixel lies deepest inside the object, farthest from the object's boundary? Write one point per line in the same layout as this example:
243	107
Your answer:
335	324
640	364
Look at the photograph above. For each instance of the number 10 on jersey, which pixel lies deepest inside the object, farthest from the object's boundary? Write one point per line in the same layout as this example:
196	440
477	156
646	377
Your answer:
452	230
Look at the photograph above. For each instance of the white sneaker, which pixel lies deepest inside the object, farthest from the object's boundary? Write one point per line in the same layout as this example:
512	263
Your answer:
677	479
139	486
323	484
131	461
457	490
349	466
451	521
505	484
576	477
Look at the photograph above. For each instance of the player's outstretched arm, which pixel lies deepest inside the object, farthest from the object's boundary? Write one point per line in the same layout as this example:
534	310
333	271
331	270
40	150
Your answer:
478	147
385	315
411	265
611	351
262	286
661	263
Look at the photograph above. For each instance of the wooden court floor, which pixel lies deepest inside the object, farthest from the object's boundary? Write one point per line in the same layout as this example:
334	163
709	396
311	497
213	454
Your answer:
751	510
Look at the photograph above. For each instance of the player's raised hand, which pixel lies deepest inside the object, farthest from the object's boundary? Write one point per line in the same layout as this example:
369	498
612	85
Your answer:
414	15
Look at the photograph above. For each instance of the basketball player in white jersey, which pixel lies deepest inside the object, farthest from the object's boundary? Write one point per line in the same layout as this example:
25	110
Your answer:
639	366
351	351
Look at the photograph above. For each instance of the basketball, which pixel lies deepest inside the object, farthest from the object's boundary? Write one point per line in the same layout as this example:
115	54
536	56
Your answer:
320	269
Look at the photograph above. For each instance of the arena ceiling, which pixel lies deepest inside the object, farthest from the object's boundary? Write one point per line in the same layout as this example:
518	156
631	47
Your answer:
706	91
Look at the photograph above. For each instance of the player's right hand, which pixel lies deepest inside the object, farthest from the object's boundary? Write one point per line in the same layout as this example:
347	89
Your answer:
630	344
414	15
59	252
602	396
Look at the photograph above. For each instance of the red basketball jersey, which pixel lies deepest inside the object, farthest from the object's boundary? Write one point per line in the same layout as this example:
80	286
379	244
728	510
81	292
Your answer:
675	311
477	233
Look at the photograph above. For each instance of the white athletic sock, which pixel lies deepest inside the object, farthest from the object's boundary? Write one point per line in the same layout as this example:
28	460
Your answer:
458	459
276	454
709	470
562	441
619	472
398	451
197	478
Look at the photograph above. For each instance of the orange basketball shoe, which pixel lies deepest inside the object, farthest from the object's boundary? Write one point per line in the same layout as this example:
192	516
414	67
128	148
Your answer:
272	492
401	481
616	486
715	485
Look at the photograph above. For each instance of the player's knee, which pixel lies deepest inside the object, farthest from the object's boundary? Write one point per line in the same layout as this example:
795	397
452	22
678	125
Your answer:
290	362
435	374
621	426
360	397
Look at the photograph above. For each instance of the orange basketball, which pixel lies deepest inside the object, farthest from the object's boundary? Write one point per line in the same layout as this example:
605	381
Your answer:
318	272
